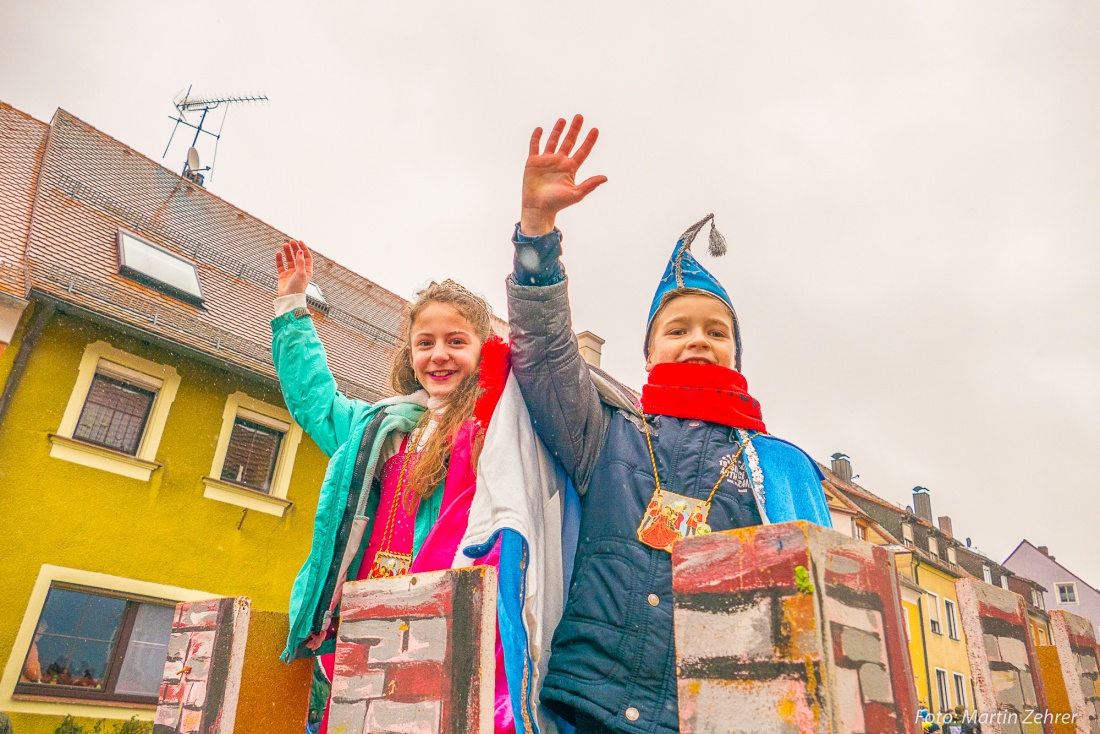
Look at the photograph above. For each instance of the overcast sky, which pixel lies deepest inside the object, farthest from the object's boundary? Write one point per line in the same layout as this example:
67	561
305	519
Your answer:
911	193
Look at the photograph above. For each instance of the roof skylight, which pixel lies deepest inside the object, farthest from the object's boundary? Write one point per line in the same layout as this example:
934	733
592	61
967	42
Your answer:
158	268
314	291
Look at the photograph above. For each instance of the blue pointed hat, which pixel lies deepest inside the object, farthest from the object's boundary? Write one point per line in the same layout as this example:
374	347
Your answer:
685	273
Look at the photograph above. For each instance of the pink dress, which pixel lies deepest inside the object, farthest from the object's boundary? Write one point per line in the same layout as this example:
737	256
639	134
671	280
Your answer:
439	548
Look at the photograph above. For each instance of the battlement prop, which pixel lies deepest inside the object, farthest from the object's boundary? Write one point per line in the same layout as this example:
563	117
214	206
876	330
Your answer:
1003	662
416	654
792	627
1075	642
223	673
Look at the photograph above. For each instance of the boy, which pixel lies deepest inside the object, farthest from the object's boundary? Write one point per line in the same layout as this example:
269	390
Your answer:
693	458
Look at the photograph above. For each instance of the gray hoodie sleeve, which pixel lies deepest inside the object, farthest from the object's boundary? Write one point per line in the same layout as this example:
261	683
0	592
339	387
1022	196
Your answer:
555	381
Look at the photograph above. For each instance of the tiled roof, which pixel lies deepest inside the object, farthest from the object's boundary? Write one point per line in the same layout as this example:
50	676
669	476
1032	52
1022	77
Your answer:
91	185
22	140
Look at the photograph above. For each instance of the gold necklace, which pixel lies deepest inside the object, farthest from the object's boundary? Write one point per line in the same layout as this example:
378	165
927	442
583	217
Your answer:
386	562
670	516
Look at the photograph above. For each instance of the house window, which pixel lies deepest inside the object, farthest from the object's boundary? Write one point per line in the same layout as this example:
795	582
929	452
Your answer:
1067	593
93	644
934	614
960	689
1036	598
987	574
116	412
941	687
148	264
934	547
254	456
906	533
250	457
949	613
1004	581
952	557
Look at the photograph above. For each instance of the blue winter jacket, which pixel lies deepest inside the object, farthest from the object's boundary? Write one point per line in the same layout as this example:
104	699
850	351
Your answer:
613	656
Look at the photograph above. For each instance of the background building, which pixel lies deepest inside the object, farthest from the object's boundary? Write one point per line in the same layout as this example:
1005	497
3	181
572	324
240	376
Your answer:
146	455
1062	589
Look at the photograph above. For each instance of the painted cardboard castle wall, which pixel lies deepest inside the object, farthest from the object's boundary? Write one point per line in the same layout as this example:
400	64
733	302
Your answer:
1003	663
415	654
790	628
1077	656
223	673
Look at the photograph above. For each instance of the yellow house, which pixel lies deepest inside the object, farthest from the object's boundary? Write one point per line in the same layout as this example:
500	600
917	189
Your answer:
146	456
927	565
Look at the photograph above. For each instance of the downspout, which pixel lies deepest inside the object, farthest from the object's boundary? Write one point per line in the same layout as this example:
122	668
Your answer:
923	637
43	312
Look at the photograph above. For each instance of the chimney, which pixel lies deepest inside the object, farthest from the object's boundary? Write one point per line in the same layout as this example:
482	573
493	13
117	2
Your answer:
922	501
1044	550
945	525
591	347
842	467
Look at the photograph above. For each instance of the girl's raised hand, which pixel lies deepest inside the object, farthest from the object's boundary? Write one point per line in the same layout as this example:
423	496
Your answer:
294	266
549	183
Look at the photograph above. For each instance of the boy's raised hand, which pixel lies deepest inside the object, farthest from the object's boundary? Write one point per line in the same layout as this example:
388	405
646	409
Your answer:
295	267
549	177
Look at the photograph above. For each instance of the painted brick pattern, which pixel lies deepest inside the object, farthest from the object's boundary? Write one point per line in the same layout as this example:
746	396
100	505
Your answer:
1077	654
790	628
1003	663
223	673
198	694
415	654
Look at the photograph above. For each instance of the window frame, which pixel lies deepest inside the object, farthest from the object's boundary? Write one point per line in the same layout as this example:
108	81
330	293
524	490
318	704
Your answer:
907	533
49	575
960	689
116	658
934	546
140	276
949	613
102	358
943	690
274	501
987	574
1072	586
934	619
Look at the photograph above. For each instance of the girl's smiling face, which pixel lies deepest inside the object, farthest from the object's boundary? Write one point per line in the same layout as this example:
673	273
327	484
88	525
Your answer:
444	348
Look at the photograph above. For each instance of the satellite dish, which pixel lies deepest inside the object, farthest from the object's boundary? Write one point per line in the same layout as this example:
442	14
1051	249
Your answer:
193	159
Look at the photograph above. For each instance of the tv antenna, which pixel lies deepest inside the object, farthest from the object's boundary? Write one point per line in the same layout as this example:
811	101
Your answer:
186	104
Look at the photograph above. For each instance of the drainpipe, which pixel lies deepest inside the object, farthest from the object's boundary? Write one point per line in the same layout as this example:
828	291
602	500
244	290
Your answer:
923	637
43	312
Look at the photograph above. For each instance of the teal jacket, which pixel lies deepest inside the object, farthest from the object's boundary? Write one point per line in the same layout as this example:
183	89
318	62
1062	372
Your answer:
340	427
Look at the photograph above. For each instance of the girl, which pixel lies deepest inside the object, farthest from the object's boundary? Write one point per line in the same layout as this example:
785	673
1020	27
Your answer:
401	479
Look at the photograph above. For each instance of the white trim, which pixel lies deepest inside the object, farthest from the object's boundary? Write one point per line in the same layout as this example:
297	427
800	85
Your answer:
101	357
944	705
951	617
954	684
1058	594
275	501
47	575
250	499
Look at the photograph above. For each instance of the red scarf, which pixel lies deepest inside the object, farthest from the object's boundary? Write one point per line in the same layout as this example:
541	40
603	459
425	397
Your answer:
707	392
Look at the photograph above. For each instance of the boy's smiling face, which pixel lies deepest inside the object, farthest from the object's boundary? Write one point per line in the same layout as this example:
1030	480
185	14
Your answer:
692	328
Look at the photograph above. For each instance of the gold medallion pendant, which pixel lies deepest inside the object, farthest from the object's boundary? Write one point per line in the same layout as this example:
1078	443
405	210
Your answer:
387	564
670	517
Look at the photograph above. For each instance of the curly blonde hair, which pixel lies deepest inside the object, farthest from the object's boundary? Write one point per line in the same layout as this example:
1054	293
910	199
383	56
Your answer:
431	468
